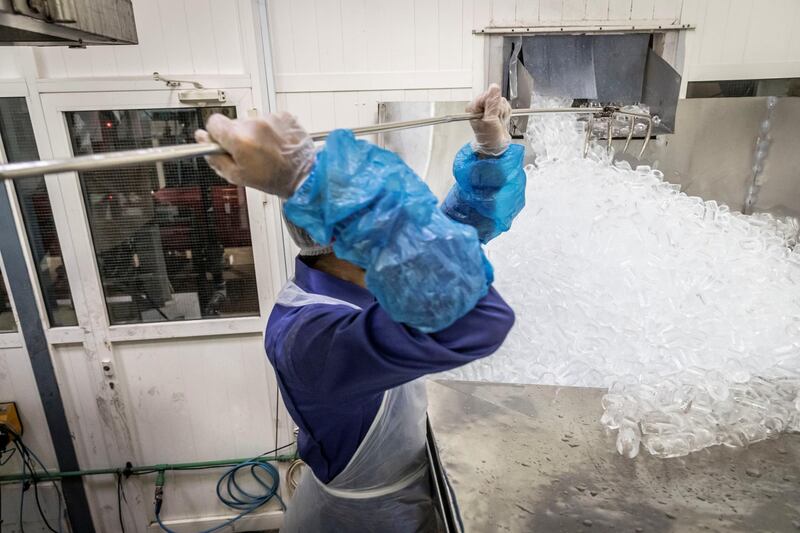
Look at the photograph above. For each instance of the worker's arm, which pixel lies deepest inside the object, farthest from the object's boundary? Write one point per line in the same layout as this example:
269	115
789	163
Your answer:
346	353
490	180
424	269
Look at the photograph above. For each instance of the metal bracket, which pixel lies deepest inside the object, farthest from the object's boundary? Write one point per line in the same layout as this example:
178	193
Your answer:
202	97
611	27
173	83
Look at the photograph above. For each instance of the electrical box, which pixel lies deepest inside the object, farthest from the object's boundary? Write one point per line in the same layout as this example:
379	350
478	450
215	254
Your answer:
66	22
9	418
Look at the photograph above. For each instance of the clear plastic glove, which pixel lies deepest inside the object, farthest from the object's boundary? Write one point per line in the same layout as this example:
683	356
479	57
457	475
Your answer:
272	154
491	131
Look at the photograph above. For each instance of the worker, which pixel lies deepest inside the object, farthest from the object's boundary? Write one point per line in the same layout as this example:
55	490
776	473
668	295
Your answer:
347	369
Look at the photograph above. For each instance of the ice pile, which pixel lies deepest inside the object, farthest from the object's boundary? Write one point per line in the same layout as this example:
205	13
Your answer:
689	313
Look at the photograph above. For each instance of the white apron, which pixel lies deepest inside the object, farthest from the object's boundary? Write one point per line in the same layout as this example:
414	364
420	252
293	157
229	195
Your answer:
385	488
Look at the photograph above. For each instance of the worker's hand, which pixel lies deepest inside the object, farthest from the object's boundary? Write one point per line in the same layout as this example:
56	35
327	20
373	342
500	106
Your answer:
491	131
272	154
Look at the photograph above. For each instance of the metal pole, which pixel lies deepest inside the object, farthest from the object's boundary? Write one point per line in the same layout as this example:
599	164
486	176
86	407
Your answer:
185	151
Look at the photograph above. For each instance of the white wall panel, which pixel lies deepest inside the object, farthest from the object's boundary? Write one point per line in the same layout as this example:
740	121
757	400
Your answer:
328	17
401	36
573	10
151	37
353	38
175	37
467	13
449	33
667	10
103	60
426	38
202	42
375	32
733	41
345	108
281	35
642	9
769	31
504	12
550	11
175	31
128	59
741	39
322	111
619	9
597	10
305	35
527	13
8	67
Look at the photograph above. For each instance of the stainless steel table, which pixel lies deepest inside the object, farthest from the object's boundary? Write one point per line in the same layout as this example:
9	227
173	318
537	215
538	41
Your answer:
535	458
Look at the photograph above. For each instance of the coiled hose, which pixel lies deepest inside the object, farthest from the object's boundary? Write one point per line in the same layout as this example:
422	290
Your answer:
230	492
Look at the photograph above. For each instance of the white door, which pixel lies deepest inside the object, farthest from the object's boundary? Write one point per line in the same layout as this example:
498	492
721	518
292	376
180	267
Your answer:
173	273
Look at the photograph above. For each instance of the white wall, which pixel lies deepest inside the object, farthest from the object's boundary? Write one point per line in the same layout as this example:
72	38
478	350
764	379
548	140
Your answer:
742	39
175	37
334	59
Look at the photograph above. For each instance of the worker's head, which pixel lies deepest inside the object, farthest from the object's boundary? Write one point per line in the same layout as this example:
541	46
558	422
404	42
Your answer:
304	241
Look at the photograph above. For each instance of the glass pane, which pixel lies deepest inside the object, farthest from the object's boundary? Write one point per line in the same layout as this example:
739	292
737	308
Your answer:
16	132
172	240
7	323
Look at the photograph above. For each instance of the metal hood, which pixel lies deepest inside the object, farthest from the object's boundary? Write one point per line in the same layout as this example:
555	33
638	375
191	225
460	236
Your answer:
66	22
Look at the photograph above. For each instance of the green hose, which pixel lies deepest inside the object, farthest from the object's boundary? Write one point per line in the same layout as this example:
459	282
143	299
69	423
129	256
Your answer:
147	469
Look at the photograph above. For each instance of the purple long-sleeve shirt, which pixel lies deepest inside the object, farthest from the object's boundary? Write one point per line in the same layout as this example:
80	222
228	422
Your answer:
334	362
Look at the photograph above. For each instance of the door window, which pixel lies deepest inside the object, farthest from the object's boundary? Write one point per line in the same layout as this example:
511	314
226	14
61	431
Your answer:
16	133
172	240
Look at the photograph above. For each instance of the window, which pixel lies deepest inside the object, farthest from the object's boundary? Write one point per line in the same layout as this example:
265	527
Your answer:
16	133
7	323
172	240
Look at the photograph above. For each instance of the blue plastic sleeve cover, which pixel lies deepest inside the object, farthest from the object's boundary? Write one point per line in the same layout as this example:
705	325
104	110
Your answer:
424	269
489	191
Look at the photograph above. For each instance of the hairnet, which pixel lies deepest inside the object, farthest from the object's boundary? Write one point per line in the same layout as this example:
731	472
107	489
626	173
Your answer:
307	245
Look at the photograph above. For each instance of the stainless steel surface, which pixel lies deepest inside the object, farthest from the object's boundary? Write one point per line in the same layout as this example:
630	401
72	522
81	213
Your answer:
604	68
428	151
662	88
62	10
529	458
167	153
67	22
711	153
